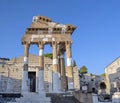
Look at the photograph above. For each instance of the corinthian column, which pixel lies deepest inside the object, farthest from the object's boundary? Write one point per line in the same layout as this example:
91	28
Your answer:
55	69
25	70
40	71
69	70
63	72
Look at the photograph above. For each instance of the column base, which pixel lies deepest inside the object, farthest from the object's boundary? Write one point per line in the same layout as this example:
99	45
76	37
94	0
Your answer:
63	83
41	82
56	82
25	83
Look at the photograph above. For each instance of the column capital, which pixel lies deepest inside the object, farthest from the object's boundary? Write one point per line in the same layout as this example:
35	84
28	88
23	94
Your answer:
41	45
54	43
26	45
68	43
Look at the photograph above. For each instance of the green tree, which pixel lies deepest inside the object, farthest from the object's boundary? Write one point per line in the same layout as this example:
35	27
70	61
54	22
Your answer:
74	63
83	70
49	55
103	74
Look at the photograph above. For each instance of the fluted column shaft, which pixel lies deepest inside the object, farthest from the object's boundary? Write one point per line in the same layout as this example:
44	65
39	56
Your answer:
55	69
40	69
25	84
63	72
69	70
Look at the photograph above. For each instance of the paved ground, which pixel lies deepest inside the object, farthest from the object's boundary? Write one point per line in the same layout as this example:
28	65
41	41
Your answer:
5	100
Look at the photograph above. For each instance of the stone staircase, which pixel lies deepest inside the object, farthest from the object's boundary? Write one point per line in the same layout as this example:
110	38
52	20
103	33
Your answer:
33	98
62	98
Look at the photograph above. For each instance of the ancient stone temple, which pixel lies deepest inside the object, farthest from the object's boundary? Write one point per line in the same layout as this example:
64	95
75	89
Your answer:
43	31
36	73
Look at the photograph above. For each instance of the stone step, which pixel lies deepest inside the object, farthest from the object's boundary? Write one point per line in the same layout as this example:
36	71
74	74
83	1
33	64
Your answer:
62	98
35	94
33	98
30	102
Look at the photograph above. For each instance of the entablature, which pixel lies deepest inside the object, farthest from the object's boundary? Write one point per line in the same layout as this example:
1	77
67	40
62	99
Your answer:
68	30
44	30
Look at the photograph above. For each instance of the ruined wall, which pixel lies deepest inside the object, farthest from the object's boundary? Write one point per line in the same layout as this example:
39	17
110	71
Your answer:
76	78
11	73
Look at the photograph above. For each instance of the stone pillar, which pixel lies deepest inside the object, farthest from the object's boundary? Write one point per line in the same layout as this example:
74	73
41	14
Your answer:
55	69
63	73
37	78
50	80
25	70
41	69
69	70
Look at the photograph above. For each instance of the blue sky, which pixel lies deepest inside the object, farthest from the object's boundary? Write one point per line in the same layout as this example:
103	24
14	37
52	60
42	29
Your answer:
95	41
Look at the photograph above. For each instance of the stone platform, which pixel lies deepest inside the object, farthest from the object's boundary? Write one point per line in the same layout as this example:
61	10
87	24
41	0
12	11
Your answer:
62	98
33	98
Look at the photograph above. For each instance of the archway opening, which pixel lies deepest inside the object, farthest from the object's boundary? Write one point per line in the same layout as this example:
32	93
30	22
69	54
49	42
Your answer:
102	85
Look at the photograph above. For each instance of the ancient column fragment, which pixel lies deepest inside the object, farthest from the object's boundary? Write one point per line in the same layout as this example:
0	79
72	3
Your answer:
63	72
25	70
69	70
40	78
56	74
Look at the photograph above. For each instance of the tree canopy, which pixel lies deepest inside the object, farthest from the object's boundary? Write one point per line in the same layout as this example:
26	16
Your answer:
103	74
49	55
83	70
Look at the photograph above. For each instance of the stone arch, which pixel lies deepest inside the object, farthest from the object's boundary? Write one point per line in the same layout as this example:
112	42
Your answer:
103	85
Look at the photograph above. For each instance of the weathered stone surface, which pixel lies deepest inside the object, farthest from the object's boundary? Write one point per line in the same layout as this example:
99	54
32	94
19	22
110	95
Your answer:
15	73
62	98
15	66
113	76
